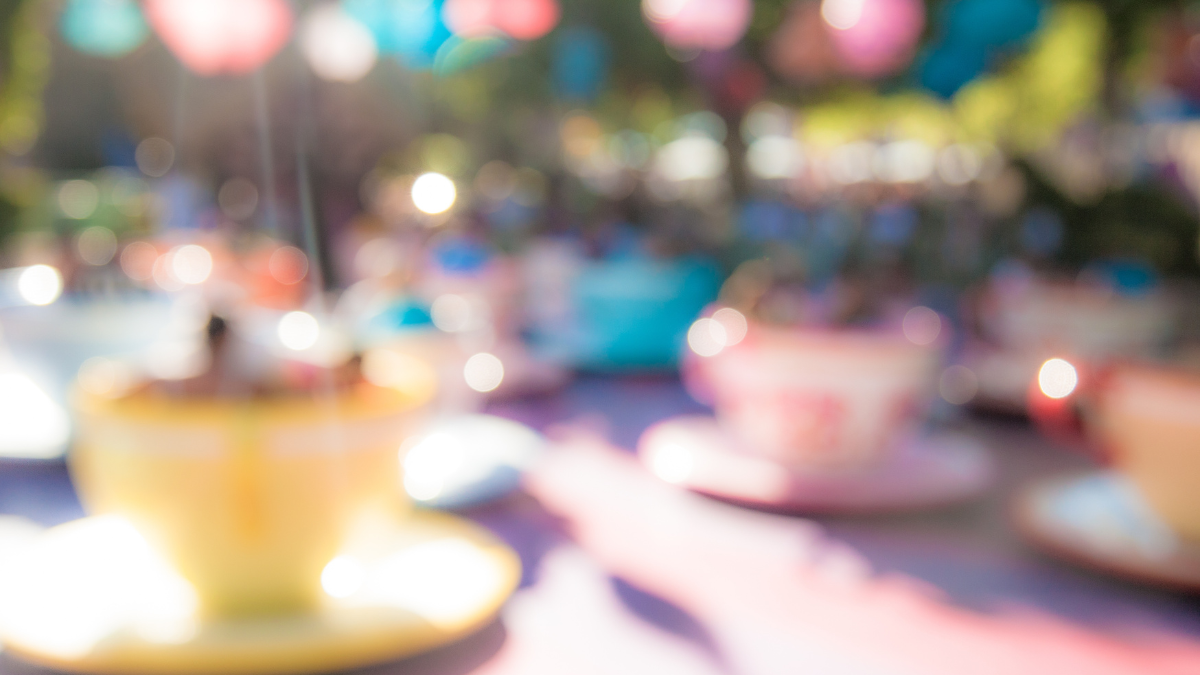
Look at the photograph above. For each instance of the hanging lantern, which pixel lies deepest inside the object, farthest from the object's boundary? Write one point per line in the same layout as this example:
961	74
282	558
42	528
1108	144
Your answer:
109	28
337	46
698	24
214	37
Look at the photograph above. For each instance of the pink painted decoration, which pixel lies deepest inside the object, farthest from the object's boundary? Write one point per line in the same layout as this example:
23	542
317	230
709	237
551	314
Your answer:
883	37
519	19
215	37
698	24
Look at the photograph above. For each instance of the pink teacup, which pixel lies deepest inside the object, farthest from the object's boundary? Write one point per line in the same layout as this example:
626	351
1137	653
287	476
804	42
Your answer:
820	398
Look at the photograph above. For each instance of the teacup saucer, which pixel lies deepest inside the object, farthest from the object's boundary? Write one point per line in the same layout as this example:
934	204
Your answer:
697	453
1099	520
467	460
90	597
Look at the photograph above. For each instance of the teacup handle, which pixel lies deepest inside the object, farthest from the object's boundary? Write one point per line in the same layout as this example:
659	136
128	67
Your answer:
1062	414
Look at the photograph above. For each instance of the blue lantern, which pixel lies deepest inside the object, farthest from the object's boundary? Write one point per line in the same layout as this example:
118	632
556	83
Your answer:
109	28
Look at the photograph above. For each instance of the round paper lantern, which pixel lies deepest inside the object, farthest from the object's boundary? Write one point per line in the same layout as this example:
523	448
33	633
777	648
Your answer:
108	28
874	37
519	19
221	36
698	24
337	46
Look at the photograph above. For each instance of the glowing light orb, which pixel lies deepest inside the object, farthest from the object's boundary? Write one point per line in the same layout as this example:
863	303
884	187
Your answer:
922	326
298	331
343	577
155	156
400	371
874	37
109	28
212	37
672	463
337	46
451	313
191	264
734	323
692	158
519	19
707	337
433	193
40	284
958	385
430	464
698	24
484	372
1057	378
774	157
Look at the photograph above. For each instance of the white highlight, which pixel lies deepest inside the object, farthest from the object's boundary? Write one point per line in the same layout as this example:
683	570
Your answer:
734	323
484	372
31	423
191	264
337	47
430	464
672	463
842	14
298	331
343	577
1057	378
707	337
40	284
433	193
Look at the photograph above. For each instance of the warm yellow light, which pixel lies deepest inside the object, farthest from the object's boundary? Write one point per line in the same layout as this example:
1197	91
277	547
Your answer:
1057	378
433	193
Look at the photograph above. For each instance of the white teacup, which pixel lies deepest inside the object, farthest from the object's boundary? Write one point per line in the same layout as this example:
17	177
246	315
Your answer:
821	399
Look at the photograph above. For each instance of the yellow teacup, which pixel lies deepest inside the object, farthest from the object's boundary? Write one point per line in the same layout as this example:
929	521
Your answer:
250	499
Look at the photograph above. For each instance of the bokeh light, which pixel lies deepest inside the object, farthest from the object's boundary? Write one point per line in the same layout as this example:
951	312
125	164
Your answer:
698	24
40	284
343	576
191	264
221	36
519	19
155	156
394	369
430	463
734	323
707	337
31	423
109	28
433	193
298	331
1057	378
288	265
97	245
137	260
958	385
238	198
672	462
484	372
922	326
337	46
78	199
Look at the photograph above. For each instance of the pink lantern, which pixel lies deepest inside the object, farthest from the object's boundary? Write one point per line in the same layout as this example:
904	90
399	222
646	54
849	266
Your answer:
519	19
221	36
698	24
874	37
